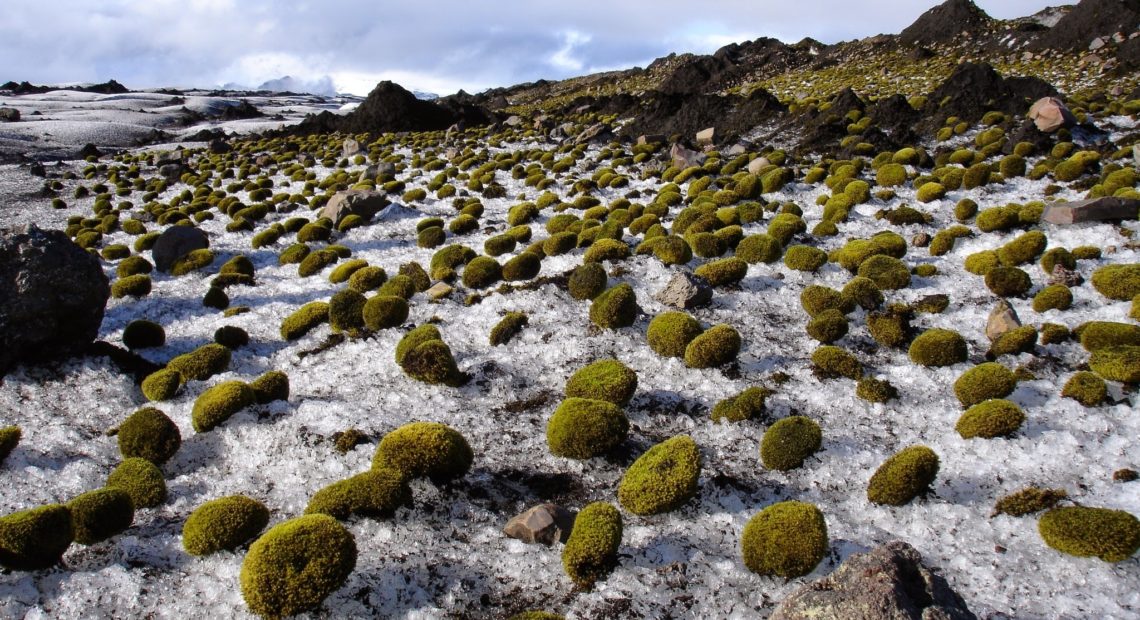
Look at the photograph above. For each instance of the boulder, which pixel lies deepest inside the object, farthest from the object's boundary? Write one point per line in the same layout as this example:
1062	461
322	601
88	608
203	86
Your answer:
219	146
176	242
706	137
1101	209
593	134
1002	319
9	115
52	296
758	164
1050	114
350	148
685	291
1063	275
654	138
172	171
686	158
365	203
887	583
439	290
543	524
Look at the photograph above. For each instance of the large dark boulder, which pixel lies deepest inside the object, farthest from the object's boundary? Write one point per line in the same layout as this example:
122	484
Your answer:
1087	21
392	108
176	242
976	88
52	296
945	22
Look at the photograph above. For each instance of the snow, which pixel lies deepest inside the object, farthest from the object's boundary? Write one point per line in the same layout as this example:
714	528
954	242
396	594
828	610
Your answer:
446	555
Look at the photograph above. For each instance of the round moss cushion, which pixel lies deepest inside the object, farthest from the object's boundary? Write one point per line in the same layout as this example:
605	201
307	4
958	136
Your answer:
608	380
425	449
786	539
223	524
663	478
1111	535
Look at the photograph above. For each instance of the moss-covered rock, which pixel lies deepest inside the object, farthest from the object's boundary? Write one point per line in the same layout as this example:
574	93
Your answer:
804	258
1086	388
591	551
615	308
716	346
304	319
1119	282
903	477
671	332
724	271
425	449
384	311
294	566
376	493
938	347
760	248
35	539
100	514
662	479
862	292
1096	335
1111	535
141	480
429	361
834	361
507	328
9	439
481	272
346	311
587	281
367	279
1015	341
983	382
673	250
223	524
787	539
1117	363
150	434
162	384
608	380
582	428
138	285
816	299
1028	501
790	441
270	386
201	363
217	404
875	390
525	266
143	334
747	405
827	326
1023	249
990	419
1053	297
887	272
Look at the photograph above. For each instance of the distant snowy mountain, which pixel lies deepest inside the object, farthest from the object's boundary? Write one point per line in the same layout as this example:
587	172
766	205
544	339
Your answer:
322	86
423	96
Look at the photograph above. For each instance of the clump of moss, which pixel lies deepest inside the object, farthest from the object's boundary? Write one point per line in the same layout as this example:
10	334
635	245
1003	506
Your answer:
804	258
195	260
903	477
507	328
760	248
1053	297
582	428
1028	501
1111	535
827	326
1023	249
1096	335
522	267
223	524
747	405
591	551
587	281
270	386
9	439
536	614
672	250
983	382
608	380
662	479
141	480
399	286
606	250
376	493
1117	363
787	443
150	434
1119	282
875	390
887	272
425	449
481	272
304	319
834	361
669	334
423	356
787	539
990	419
133	265
816	299
217	404
929	192
142	334
724	271
862	292
100	514
615	308
1015	341
1053	333
201	363
162	384
138	285
938	347
35	539
1086	388
294	566
231	336
980	263
384	311
891	328
716	346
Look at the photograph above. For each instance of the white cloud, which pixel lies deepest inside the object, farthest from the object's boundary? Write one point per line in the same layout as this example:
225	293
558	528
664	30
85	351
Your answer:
564	58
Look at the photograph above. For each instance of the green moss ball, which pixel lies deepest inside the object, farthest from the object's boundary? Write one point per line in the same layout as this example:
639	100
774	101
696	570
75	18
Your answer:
670	333
425	449
1015	341
304	319
100	514
836	362
606	250
887	272
990	419
1117	363
9	439
400	285
759	248
827	326
141	480
723	272
804	258
1119	282
788	442
903	477
195	260
816	299
223	524
367	279
862	292
1111	535
142	334
591	551
673	250
161	384
201	363
875	390
346	311
662	479
747	405
217	404
150	434
615	308
294	566
583	428
787	539
608	380
35	539
481	272
1008	281
507	328
432	362
1023	249
938	347
525	266
376	493
716	346
587	281
983	382
1096	335
133	265
1086	388
138	285
384	311
1053	297
270	386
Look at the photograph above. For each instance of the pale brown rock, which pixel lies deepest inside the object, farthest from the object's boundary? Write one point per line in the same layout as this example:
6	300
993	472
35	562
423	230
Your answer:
1050	114
1002	319
543	524
363	202
1092	210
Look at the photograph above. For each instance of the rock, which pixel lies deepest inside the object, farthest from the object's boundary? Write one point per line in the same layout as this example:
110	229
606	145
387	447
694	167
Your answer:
37	169
386	168
758	164
439	290
365	203
219	146
52	296
1092	210
706	137
685	291
654	138
9	115
1136	154
921	240
542	524
1050	114
686	158
89	150
594	133
369	173
887	583
172	171
1096	44
737	149
396	211
263	161
513	121
350	148
1002	319
174	243
1068	277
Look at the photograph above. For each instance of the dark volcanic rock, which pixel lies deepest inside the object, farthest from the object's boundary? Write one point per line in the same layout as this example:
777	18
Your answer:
974	89
887	583
174	243
52	296
730	115
1088	20
242	110
391	108
945	22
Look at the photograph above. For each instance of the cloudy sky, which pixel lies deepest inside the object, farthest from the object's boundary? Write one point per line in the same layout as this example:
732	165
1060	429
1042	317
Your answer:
437	46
